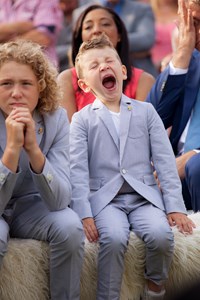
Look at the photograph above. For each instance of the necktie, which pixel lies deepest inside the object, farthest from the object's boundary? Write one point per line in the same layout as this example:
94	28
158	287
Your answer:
193	135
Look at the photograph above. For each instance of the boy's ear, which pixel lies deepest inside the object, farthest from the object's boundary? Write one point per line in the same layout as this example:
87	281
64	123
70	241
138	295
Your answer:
83	86
124	71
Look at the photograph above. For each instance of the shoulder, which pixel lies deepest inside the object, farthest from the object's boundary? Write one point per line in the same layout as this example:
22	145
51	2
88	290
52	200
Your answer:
136	104
56	119
147	77
138	6
65	75
145	82
67	80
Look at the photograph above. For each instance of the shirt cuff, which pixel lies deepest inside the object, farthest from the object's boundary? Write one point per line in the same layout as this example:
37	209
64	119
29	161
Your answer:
176	71
197	151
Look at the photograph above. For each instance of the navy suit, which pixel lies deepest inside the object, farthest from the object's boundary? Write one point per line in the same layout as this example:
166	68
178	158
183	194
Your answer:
174	97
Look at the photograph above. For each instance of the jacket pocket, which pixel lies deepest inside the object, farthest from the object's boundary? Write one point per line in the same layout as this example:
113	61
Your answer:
95	184
149	179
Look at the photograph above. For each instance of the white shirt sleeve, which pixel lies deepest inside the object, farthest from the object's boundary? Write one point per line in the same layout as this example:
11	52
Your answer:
176	71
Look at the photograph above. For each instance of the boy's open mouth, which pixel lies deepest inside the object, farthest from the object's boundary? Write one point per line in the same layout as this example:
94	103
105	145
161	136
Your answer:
109	81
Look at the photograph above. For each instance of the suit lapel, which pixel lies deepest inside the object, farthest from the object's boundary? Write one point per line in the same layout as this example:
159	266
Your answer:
191	92
125	117
184	110
39	126
105	117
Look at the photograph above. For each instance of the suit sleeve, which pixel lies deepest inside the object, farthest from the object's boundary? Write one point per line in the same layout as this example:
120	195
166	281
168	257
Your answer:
166	94
79	167
54	182
165	165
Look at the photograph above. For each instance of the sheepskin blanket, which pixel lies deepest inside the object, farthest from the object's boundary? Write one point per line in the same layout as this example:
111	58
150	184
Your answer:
25	272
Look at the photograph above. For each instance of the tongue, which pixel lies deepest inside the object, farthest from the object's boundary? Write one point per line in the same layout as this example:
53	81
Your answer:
108	84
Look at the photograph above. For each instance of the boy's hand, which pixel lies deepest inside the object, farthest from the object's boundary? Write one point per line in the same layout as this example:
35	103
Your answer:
90	229
183	223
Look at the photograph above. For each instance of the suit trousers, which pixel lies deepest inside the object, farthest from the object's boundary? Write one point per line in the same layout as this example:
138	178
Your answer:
131	212
63	231
190	184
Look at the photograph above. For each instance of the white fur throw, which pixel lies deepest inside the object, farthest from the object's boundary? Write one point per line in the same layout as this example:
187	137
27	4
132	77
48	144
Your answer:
25	275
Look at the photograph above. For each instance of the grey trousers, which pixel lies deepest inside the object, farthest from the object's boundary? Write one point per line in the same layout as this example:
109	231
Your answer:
63	231
131	212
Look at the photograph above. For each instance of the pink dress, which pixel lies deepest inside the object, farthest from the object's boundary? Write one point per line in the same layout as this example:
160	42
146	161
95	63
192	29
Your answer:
162	45
82	98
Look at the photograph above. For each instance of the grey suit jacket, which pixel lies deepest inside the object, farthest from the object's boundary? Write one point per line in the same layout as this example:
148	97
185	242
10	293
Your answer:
51	186
101	161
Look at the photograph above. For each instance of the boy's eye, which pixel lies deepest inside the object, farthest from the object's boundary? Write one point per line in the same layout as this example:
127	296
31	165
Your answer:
93	66
5	83
26	83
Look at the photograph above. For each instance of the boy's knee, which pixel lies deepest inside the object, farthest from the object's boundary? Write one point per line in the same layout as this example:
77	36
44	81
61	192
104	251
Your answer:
115	241
68	232
161	240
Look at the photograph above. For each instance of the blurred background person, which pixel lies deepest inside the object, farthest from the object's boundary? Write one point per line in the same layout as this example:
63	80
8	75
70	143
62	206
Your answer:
138	18
64	41
165	12
95	20
37	20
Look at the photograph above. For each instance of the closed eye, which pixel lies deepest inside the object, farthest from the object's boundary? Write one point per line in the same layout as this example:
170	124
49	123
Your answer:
93	66
5	83
27	83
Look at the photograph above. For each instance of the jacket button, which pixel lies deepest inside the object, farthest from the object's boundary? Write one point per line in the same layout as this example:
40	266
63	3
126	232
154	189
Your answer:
2	177
123	171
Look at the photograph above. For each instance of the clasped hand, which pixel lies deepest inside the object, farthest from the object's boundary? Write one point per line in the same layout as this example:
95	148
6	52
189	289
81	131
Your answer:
20	128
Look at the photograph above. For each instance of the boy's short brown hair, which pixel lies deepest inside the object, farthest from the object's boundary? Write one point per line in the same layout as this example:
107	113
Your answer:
100	42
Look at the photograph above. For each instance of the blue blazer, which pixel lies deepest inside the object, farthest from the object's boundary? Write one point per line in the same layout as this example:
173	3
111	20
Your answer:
174	96
52	186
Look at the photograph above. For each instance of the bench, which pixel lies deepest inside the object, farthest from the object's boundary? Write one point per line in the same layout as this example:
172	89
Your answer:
25	273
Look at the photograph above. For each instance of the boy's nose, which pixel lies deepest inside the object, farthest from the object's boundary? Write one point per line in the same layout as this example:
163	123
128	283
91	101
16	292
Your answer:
16	92
104	66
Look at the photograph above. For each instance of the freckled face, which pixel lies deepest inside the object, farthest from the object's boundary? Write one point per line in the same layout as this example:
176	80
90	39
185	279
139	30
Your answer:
18	87
98	21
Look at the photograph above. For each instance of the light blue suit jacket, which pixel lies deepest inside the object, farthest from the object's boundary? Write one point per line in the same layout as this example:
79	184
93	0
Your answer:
101	161
51	186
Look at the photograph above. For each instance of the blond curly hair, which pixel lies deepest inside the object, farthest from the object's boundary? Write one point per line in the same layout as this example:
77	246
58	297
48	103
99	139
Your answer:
32	54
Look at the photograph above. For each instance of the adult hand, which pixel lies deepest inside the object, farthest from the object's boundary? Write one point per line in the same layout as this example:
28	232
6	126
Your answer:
183	223
186	37
90	229
181	162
